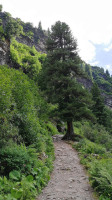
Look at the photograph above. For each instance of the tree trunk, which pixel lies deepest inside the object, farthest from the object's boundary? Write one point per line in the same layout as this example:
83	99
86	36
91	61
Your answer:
59	126
70	132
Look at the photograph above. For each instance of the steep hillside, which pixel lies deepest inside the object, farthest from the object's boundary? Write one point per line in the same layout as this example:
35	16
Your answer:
29	35
32	36
103	79
26	146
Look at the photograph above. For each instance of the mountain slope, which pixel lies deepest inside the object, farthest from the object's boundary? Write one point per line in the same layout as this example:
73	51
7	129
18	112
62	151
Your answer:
30	36
103	79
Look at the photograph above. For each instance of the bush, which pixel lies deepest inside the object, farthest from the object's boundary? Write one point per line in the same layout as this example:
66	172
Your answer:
24	188
26	147
97	133
88	147
101	177
51	129
12	27
14	158
21	107
27	58
96	158
8	130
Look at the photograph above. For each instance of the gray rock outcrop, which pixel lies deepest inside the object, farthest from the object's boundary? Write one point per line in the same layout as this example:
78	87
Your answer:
4	52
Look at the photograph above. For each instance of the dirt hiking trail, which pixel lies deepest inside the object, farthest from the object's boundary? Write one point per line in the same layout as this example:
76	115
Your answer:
68	180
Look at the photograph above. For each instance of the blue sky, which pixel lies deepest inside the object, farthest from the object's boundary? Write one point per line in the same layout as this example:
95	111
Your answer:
103	56
89	20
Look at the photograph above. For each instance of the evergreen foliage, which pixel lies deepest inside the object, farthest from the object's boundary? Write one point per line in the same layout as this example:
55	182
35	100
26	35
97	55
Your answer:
97	74
1	8
40	26
13	28
58	77
102	113
98	106
88	71
103	79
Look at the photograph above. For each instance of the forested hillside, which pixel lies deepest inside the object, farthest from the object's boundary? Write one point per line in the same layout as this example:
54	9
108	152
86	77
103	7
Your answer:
102	78
39	91
26	148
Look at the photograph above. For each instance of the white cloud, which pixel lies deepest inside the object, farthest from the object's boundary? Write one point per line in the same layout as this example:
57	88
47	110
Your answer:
107	49
87	50
109	68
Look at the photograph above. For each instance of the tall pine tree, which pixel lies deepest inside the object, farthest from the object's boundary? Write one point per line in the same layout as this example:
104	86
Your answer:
58	77
98	107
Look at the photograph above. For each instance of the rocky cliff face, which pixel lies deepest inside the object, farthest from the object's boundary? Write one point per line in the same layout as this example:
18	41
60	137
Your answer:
4	52
37	37
40	45
88	84
108	100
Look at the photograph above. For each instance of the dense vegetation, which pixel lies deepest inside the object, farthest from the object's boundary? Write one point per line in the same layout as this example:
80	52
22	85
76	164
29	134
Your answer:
97	74
26	148
57	77
26	58
95	149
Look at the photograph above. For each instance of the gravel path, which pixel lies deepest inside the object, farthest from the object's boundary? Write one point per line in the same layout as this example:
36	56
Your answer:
68	180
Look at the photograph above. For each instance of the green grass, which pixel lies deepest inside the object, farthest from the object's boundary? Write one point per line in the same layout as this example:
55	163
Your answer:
26	146
95	154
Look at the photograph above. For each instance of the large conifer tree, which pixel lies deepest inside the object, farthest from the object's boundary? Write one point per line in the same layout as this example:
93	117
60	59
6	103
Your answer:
98	107
58	76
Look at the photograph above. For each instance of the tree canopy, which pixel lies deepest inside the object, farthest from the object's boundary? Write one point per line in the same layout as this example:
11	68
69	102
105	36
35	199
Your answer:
13	28
1	8
58	77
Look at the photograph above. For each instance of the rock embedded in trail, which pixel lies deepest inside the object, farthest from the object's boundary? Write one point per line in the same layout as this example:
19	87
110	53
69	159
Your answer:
68	180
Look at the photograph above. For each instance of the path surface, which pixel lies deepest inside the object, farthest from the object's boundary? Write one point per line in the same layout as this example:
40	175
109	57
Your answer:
68	180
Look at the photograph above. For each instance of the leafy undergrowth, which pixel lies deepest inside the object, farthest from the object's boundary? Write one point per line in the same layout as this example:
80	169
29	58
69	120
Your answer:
95	150
21	186
26	58
26	147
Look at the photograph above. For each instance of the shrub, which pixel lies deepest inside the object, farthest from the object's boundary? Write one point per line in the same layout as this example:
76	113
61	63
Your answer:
101	177
12	27
98	134
27	58
8	130
14	158
88	147
24	188
21	107
51	129
96	158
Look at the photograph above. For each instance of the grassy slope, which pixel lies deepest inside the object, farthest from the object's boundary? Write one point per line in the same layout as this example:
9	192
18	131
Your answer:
95	149
26	148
